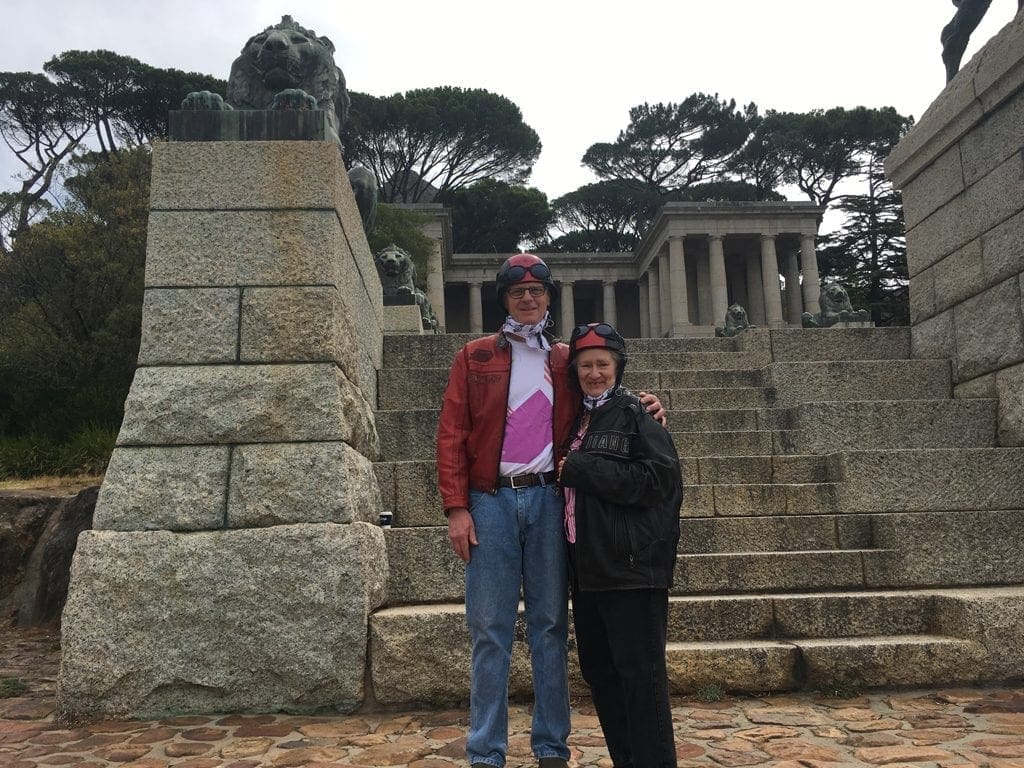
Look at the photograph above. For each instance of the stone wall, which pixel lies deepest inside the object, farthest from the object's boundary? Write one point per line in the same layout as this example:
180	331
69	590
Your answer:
961	172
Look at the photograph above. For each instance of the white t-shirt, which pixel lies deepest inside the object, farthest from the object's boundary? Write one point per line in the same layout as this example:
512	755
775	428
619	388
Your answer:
527	447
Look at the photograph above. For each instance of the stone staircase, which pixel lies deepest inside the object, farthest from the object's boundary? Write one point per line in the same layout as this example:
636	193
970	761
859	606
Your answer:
845	520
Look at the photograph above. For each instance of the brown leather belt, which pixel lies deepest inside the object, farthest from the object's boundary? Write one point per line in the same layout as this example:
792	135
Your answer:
525	481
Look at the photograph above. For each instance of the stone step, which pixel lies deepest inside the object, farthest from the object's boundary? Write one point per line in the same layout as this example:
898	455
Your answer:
706	535
797	382
421	351
805	344
420	653
409	435
734	572
928	480
887	661
746	499
409	488
698	361
716	397
824	427
423	569
402	388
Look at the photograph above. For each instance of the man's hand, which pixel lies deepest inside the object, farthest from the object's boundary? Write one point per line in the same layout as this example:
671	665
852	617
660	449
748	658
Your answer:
461	532
653	405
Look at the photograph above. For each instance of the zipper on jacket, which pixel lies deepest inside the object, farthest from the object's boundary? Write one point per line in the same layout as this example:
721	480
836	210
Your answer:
504	422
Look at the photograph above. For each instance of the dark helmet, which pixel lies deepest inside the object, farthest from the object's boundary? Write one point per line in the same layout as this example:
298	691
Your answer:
523	267
598	336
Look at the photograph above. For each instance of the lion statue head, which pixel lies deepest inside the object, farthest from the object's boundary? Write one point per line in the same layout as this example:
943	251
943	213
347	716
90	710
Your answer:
284	57
735	321
397	271
835	299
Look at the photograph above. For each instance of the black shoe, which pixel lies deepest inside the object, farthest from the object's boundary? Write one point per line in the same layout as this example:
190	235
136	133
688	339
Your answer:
553	762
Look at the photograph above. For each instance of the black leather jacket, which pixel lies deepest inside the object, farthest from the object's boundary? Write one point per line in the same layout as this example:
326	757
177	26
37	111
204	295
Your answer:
629	487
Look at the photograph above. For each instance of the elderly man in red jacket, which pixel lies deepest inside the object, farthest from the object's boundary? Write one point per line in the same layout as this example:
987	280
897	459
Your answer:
507	411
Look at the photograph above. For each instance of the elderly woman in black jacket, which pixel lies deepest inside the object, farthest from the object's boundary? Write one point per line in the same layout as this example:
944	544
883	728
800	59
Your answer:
623	489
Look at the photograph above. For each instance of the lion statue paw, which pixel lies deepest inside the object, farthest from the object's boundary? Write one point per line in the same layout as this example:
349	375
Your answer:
293	98
200	101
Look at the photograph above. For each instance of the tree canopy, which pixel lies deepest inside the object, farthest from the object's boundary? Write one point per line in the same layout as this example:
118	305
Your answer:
493	216
436	140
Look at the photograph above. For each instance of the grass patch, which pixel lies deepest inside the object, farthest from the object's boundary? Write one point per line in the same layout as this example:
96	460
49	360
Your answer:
86	452
710	693
11	687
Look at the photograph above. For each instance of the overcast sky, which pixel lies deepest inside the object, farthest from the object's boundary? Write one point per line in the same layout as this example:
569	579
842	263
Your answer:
574	68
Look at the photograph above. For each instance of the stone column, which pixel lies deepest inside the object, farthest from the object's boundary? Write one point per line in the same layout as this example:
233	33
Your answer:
476	310
608	302
645	309
703	293
654	301
812	283
794	306
664	292
770	282
755	290
677	286
719	282
568	310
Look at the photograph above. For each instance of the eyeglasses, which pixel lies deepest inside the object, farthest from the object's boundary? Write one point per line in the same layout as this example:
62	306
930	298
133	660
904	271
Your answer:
538	270
603	330
536	291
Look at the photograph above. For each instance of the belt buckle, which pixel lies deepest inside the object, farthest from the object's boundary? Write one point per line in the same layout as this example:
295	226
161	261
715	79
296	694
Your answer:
512	481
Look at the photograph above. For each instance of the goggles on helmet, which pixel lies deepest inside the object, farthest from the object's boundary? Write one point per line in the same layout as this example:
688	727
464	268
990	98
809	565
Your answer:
517	272
603	330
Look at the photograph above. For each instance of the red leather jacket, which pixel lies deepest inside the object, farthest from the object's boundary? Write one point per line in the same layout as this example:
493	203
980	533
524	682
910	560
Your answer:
472	424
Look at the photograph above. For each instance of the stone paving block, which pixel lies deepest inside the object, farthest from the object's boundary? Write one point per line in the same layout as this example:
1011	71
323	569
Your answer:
285	483
1001	254
741	443
718	420
745	499
189	325
179	488
213	595
718	397
411	388
922	296
993	140
958	276
1010	390
384	471
408	435
701	361
698	501
992	617
934	338
417	499
800	469
247	403
729	469
711	379
937	184
998	73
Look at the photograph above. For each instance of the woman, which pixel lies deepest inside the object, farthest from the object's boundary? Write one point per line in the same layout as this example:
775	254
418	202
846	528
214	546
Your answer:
623	489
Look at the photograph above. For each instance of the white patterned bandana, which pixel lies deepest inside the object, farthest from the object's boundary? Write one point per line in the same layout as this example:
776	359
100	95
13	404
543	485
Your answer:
590	403
532	333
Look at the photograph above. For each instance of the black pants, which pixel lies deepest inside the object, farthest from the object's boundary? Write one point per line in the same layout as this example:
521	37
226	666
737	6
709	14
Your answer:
621	638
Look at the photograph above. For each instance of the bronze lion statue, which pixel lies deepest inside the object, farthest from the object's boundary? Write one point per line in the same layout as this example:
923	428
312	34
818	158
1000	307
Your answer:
835	308
287	66
398	280
735	321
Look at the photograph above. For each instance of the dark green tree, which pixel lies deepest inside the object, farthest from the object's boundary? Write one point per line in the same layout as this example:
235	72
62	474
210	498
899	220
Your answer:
70	302
868	254
491	216
603	217
670	146
436	140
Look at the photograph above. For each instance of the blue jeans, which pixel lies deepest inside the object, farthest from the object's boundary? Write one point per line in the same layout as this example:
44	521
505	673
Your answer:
521	544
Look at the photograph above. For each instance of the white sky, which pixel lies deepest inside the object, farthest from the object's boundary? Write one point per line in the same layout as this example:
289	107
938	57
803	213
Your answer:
573	67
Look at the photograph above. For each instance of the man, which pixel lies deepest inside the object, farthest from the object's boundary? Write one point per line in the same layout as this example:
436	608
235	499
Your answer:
508	408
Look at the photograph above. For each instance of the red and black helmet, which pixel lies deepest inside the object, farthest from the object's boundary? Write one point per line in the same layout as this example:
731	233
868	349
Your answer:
596	336
523	267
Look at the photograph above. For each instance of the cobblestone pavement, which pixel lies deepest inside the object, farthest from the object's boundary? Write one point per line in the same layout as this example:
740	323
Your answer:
931	728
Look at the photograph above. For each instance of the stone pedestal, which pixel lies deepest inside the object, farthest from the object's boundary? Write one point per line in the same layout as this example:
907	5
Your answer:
960	171
403	319
236	556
